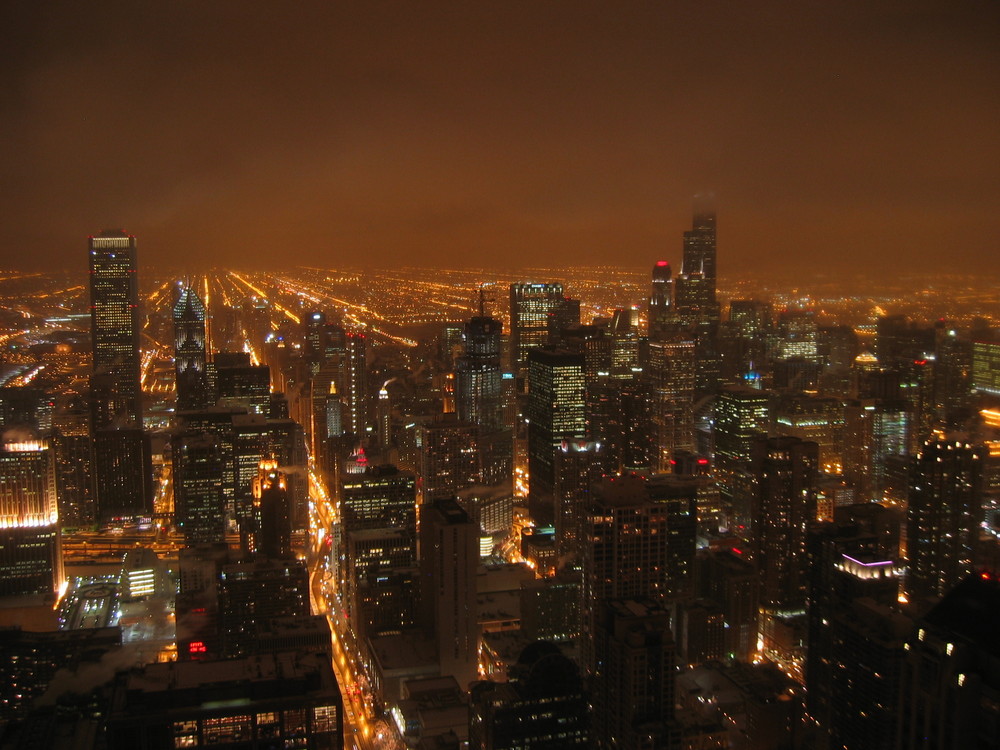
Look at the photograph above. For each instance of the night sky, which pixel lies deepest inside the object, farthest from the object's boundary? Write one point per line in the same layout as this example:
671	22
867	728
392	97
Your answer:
839	135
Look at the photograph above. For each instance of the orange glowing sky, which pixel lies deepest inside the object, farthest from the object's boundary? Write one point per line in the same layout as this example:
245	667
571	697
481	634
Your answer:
502	133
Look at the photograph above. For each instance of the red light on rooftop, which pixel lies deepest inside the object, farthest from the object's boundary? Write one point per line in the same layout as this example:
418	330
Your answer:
661	263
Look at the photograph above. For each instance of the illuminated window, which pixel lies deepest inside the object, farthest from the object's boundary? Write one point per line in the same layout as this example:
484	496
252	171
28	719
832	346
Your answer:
325	719
226	729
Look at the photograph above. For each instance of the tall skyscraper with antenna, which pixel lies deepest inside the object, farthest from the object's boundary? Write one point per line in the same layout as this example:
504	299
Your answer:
695	286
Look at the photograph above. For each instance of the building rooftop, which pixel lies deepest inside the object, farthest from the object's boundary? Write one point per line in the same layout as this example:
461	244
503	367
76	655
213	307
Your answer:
188	675
971	611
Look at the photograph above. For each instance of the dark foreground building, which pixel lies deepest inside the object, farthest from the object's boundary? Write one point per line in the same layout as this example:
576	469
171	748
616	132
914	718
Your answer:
951	675
543	706
283	700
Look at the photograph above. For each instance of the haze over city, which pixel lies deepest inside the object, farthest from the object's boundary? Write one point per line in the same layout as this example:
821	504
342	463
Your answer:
838	137
500	376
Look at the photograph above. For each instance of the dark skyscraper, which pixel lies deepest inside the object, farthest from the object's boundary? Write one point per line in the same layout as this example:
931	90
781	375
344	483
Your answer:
951	676
661	301
115	326
699	243
199	501
271	512
945	508
478	374
635	675
448	559
123	474
670	378
785	471
354	387
190	356
638	541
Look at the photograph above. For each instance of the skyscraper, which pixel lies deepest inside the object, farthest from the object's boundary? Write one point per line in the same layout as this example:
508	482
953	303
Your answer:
634	681
741	415
661	301
555	411
448	458
354	383
30	560
272	514
785	471
123	474
696	284
122	469
449	553
543	705
190	357
670	377
699	242
639	541
199	502
945	509
477	382
115	326
530	305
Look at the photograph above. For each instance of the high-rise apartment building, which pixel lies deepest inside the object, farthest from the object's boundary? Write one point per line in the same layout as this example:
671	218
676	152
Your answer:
115	326
199	502
854	648
785	471
640	540
253	593
72	447
944	514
